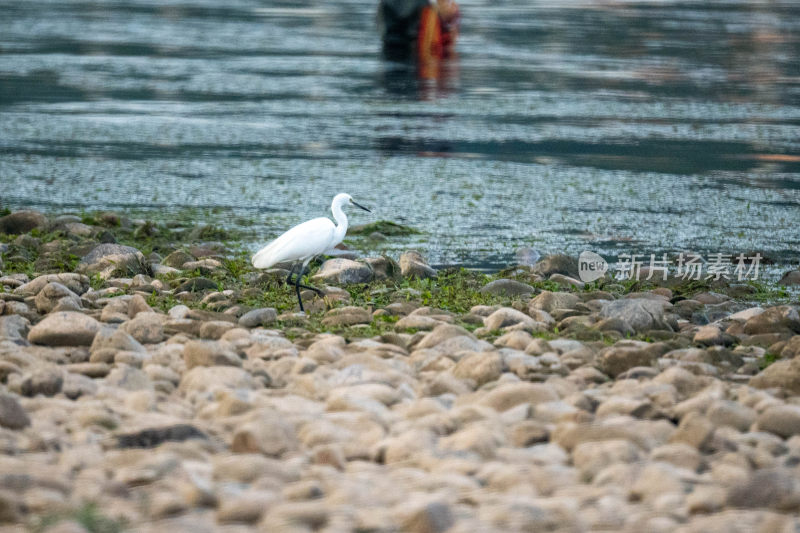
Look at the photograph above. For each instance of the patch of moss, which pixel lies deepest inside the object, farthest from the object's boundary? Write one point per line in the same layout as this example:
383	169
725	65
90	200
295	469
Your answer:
767	293
89	515
767	360
388	228
210	233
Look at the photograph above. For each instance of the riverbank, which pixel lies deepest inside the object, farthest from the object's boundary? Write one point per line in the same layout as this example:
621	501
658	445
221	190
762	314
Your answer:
152	379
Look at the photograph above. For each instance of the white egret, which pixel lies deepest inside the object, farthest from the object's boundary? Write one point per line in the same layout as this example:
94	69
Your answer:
305	241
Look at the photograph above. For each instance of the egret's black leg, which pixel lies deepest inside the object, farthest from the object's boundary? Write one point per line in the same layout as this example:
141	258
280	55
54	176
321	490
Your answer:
309	287
291	271
299	277
297	290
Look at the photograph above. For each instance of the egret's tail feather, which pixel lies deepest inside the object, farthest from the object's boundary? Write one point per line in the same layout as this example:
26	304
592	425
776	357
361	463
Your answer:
265	257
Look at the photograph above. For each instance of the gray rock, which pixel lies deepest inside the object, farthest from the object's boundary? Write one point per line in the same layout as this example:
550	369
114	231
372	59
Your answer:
383	267
441	333
22	222
46	380
694	429
627	354
266	433
347	316
177	259
792	348
507	395
77	283
711	335
566	281
732	414
77	385
115	339
51	295
114	260
196	285
12	415
215	329
615	324
480	367
642	314
12	307
548	301
773	488
209	353
204	378
65	328
155	436
413	265
147	328
591	457
129	378
14	328
782	420
429	517
779	319
507	316
77	229
343	272
507	287
780	374
205	266
258	317
138	304
790	278
557	264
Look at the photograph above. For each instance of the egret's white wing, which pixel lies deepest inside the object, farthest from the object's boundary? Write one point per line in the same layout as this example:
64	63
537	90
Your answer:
299	243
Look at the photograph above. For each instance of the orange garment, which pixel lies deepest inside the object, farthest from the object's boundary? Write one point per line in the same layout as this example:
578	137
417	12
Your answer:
436	36
429	41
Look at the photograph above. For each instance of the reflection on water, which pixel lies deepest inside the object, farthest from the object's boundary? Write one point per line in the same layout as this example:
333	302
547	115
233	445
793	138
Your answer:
612	126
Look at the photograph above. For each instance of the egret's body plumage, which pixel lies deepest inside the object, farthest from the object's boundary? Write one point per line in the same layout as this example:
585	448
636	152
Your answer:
307	240
302	242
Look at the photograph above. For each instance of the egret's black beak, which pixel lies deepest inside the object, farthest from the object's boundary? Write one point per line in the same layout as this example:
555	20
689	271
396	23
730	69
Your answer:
361	206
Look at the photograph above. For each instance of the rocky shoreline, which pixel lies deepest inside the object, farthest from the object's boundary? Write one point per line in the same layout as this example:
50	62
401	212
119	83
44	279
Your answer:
151	380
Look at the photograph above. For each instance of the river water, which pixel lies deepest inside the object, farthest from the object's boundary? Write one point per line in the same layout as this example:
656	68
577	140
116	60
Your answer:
612	126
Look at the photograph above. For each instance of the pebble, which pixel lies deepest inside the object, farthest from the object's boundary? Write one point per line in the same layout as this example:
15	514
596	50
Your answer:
65	328
782	420
507	317
146	328
109	260
549	301
344	272
782	375
413	265
264	316
12	415
209	353
22	222
347	316
203	420
507	287
642	314
479	367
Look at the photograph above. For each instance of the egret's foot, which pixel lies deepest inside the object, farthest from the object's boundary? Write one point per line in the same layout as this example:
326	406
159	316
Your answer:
309	287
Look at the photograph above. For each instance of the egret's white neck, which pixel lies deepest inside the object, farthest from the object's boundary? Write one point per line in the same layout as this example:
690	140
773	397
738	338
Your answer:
341	223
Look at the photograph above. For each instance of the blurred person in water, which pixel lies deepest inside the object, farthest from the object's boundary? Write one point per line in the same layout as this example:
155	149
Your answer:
425	29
